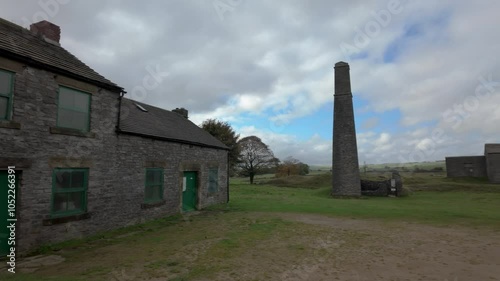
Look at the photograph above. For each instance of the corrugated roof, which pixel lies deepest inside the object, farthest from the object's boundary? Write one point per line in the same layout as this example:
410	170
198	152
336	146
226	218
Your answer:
492	148
20	44
163	124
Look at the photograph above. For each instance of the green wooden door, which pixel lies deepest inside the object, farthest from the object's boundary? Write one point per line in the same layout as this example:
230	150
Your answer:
4	215
189	191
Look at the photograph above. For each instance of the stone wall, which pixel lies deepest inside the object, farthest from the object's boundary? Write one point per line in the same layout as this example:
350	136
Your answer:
466	166
493	167
116	163
393	186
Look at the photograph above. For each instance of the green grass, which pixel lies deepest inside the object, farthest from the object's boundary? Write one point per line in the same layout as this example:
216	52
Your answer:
221	239
436	200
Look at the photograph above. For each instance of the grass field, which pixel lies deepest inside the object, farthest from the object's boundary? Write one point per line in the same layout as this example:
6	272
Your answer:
260	235
435	199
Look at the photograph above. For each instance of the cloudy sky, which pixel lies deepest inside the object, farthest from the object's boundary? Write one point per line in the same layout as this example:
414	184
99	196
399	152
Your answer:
425	74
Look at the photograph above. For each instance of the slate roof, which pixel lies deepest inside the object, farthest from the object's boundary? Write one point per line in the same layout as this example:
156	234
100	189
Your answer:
491	148
163	124
20	44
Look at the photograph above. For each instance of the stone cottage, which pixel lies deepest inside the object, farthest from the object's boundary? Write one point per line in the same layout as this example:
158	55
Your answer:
86	158
487	165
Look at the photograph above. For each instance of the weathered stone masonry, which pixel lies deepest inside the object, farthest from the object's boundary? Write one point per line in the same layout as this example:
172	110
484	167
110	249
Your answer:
116	162
487	165
346	179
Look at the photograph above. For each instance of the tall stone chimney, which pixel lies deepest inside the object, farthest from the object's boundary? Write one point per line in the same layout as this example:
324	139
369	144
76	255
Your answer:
49	31
345	166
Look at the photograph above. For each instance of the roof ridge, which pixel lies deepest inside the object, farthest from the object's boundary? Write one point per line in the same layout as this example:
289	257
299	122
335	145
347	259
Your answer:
23	44
40	38
75	57
12	24
147	104
28	32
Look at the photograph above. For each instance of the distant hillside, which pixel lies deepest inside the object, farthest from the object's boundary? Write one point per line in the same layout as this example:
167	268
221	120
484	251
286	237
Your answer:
415	166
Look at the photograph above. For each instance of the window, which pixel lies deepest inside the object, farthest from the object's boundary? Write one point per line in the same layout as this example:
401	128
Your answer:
154	185
69	191
6	86
73	109
213	180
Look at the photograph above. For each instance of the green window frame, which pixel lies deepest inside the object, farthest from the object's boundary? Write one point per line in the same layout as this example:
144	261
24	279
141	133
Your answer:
69	191
6	89
73	109
213	180
153	186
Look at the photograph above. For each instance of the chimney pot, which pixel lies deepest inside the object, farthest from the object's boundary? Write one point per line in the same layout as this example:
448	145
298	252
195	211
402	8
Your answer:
47	30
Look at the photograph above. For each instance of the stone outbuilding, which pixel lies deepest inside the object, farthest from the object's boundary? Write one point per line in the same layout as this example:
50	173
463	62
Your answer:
487	165
84	158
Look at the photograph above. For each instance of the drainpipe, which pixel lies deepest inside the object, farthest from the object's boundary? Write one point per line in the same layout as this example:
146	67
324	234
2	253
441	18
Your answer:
122	93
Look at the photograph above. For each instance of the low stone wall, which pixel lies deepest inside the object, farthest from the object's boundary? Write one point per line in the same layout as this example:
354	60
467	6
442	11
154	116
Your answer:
388	187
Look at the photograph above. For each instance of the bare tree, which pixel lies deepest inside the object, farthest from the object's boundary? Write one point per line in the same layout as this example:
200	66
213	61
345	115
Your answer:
255	156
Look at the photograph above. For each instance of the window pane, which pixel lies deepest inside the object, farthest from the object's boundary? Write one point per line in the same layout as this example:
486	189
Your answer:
63	180
157	192
213	180
66	98
157	177
153	177
81	101
72	119
149	193
150	177
75	201
65	201
60	202
4	103
73	111
154	182
5	83
79	120
77	179
64	118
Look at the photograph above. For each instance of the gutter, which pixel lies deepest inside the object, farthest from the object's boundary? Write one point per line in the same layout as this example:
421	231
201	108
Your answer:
122	93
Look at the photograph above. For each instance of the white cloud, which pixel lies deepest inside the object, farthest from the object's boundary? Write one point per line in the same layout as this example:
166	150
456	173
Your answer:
275	60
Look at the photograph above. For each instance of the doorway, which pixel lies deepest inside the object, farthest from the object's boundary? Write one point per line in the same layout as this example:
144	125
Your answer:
189	191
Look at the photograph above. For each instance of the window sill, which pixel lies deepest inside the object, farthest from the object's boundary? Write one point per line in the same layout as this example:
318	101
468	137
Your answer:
152	204
10	125
71	132
66	219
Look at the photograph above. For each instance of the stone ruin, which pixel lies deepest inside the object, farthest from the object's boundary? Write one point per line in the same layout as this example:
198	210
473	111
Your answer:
390	187
346	180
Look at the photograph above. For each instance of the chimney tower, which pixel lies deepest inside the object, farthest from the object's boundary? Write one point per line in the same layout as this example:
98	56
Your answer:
345	167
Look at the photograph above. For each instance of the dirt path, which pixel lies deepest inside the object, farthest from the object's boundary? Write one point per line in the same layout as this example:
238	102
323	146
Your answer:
402	251
247	246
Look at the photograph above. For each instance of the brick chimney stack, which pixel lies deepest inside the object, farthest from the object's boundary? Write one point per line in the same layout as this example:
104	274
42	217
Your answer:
346	179
47	30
